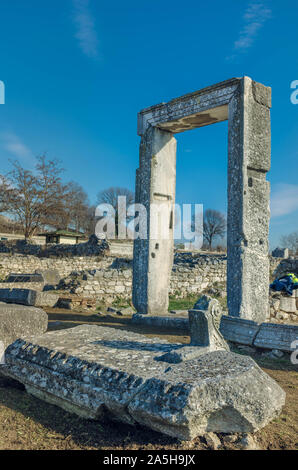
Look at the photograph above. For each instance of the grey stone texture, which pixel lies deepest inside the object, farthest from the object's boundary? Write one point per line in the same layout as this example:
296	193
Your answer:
29	297
100	372
109	278
204	322
264	335
239	330
246	104
155	190
171	321
22	278
50	277
18	296
93	247
274	336
18	321
248	201
288	304
46	299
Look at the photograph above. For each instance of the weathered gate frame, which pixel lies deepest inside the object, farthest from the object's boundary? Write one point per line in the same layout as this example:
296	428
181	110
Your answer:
246	105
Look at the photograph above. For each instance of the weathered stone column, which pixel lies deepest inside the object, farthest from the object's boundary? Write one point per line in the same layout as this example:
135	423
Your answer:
248	201
153	256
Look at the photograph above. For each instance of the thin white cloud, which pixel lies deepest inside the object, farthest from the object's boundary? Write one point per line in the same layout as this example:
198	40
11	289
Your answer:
85	25
13	144
254	18
284	199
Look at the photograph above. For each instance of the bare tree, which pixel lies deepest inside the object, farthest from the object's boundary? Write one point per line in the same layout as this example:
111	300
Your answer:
214	226
34	197
4	188
110	196
290	241
74	210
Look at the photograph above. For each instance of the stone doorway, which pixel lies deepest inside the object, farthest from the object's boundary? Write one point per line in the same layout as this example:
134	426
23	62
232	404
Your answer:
246	105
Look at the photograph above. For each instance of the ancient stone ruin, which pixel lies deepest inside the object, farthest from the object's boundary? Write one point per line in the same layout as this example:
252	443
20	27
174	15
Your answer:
246	104
180	390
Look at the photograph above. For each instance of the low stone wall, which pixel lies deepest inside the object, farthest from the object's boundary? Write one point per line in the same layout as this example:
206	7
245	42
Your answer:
109	278
93	247
29	264
190	276
22	285
192	273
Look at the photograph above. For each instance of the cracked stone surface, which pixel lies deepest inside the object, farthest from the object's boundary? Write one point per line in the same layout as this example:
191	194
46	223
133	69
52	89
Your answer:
98	372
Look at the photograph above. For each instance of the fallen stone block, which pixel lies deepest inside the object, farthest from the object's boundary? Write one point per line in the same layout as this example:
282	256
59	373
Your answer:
276	336
125	311
238	330
163	321
98	372
28	297
212	441
18	296
44	299
288	304
18	321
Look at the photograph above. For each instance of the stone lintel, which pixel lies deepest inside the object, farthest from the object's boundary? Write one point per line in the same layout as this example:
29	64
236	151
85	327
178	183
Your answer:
189	111
200	108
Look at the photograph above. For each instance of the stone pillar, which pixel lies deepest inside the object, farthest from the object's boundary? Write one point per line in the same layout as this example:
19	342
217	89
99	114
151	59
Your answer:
153	256
248	201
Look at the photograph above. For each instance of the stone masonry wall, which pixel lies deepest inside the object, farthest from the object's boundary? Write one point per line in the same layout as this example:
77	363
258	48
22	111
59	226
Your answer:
190	275
28	264
108	278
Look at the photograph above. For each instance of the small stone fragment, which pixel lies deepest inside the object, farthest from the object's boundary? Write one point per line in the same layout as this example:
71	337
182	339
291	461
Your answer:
213	442
247	443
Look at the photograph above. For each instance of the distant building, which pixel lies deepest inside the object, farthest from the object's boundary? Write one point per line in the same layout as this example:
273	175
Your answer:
63	236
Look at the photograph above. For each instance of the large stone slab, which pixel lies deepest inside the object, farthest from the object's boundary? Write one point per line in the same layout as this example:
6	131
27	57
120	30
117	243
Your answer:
96	371
46	299
276	336
29	297
18	296
18	321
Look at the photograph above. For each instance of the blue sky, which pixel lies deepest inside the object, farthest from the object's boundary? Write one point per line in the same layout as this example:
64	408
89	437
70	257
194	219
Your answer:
77	72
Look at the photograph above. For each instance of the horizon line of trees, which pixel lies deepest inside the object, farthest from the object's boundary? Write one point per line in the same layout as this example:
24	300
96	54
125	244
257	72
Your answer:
40	200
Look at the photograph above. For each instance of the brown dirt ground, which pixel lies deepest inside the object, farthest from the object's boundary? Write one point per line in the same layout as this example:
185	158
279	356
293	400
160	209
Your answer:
27	423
